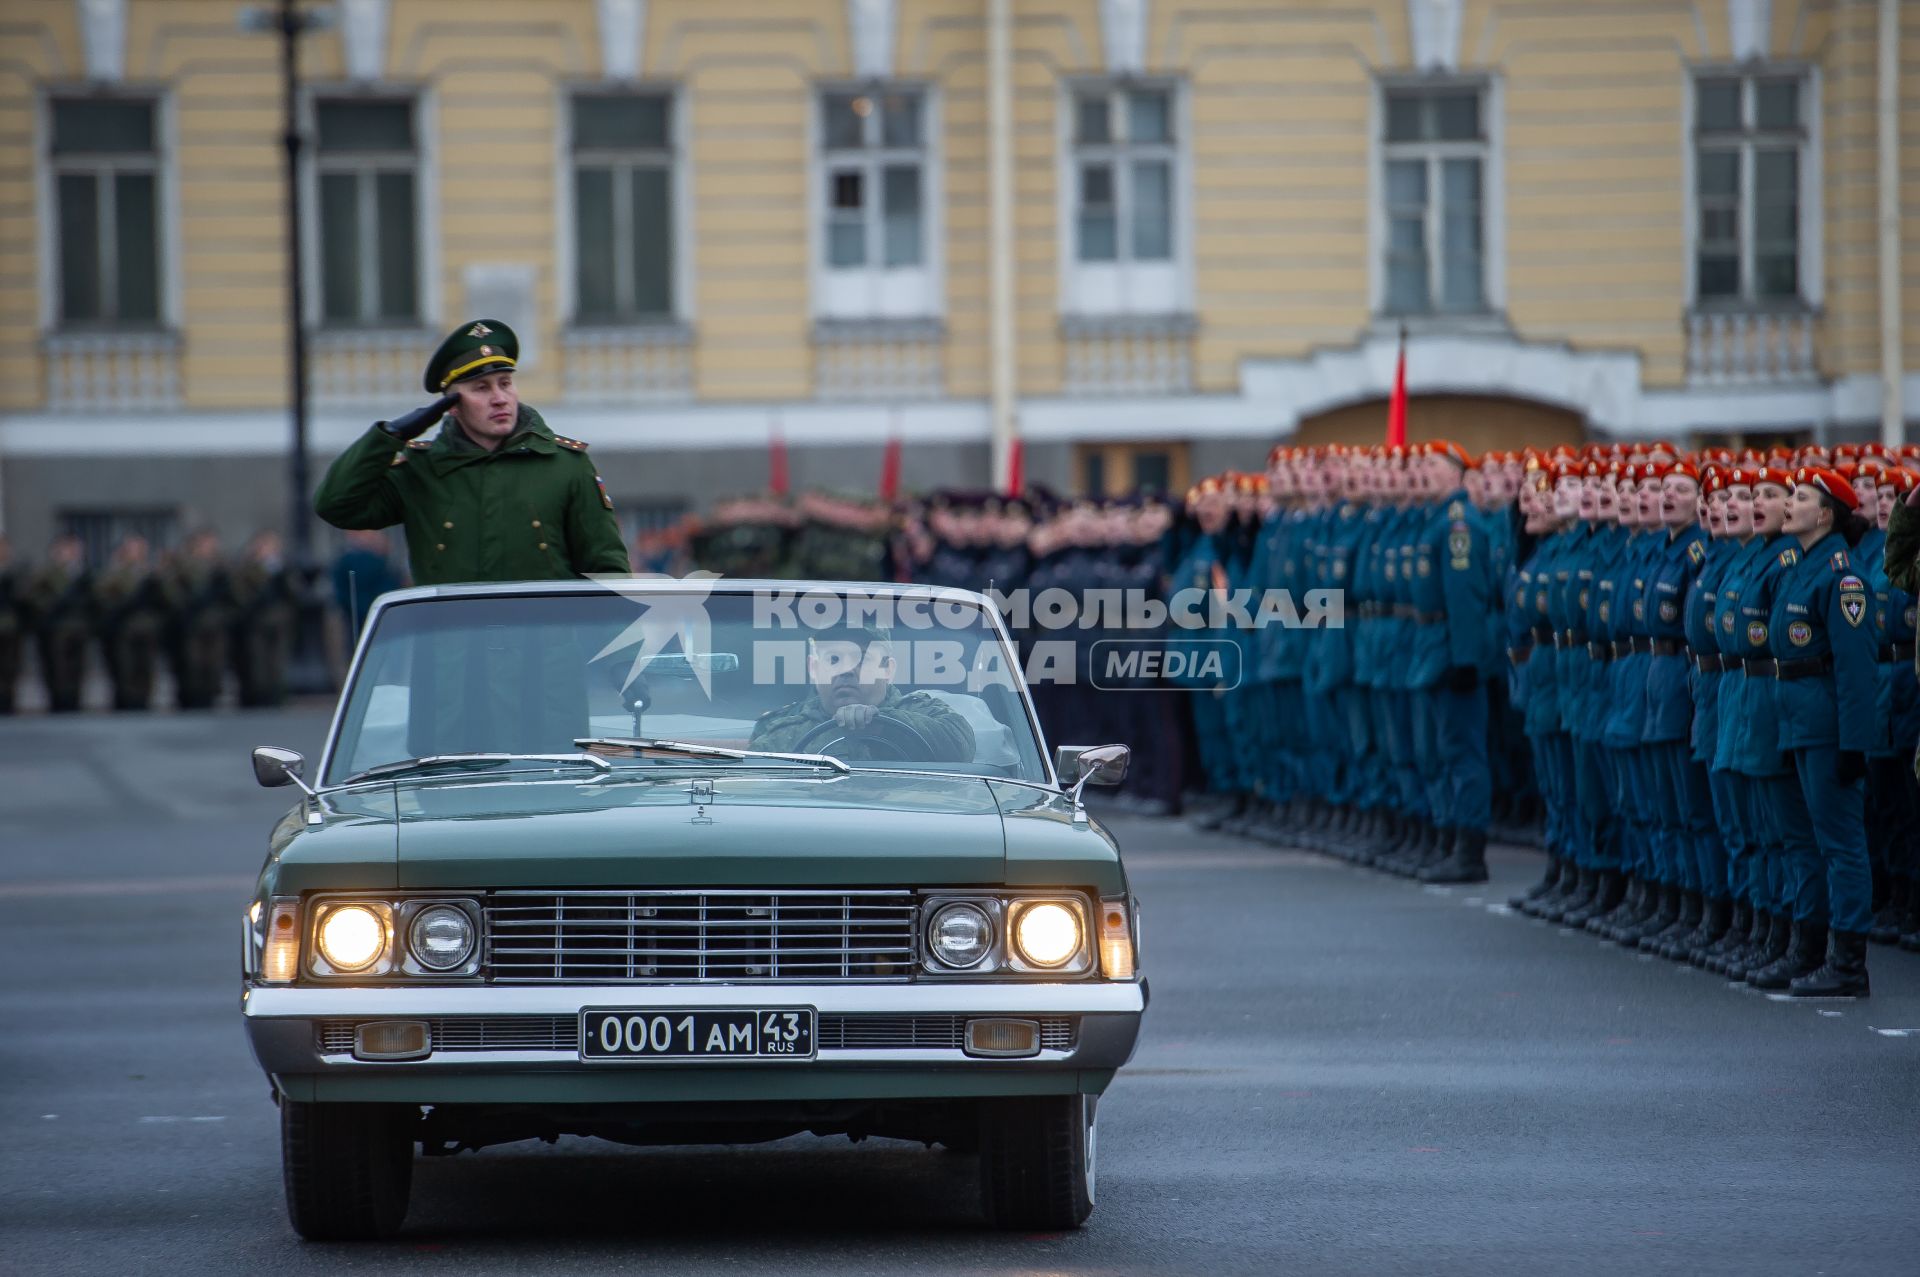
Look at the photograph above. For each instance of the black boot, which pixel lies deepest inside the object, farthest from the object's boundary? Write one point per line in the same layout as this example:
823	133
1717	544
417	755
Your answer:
1418	848
1732	935
1844	975
1764	947
1606	898
1548	881
1657	920
1577	889
1806	950
1716	916
1886	923
1467	863
1910	924
1633	902
1671	943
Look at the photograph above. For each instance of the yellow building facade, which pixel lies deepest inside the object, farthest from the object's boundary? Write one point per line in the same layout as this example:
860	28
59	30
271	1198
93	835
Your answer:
716	223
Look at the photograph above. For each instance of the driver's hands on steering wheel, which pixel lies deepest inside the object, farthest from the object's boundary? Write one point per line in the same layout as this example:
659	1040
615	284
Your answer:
854	717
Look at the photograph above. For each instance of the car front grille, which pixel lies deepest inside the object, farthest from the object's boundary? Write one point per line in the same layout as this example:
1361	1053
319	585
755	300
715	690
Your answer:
562	1033
687	936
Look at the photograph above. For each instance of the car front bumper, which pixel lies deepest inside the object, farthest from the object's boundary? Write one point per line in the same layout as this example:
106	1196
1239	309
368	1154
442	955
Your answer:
284	1023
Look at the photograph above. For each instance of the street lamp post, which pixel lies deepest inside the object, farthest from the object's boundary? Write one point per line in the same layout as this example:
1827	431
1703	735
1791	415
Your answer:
307	670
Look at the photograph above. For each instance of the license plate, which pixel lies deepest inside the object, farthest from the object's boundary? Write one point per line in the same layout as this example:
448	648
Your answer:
645	1033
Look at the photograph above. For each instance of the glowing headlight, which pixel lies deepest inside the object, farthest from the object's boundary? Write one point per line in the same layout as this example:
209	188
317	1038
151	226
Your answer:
960	935
1047	933
352	937
441	937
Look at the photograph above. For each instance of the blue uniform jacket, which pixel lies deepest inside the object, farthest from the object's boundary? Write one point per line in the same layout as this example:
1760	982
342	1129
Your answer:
1677	560
1822	608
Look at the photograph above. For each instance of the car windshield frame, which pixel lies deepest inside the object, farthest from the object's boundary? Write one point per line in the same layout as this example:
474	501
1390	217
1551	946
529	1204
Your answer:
994	623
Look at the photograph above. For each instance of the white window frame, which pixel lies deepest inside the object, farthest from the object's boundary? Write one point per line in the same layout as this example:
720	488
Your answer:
1812	271
1490	150
166	206
425	167
679	107
1124	286
876	290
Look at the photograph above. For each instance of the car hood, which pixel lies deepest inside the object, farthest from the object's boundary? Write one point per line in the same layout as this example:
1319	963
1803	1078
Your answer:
750	829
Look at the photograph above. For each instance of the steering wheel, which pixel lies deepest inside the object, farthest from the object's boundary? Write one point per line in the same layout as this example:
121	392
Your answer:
901	740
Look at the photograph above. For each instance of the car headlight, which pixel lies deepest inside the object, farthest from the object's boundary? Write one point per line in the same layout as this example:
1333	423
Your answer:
960	936
441	937
352	937
1047	933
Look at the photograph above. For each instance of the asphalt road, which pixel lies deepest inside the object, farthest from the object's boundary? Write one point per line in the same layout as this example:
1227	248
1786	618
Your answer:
1340	1073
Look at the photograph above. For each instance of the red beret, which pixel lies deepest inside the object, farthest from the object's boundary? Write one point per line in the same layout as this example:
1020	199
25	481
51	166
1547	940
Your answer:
1829	481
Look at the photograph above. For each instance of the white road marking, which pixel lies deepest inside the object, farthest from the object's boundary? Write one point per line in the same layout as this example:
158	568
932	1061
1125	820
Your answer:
125	886
171	1118
1895	1033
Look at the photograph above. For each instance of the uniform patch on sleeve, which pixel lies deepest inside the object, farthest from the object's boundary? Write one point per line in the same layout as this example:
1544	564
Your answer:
601	484
1669	611
1757	633
1853	599
1459	543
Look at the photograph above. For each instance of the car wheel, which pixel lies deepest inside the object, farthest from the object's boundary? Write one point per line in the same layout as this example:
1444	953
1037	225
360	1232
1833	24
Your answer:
348	1168
1037	1160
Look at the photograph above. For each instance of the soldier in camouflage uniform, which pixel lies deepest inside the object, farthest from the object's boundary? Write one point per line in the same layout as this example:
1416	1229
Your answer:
746	537
131	616
852	676
842	539
60	603
12	624
199	596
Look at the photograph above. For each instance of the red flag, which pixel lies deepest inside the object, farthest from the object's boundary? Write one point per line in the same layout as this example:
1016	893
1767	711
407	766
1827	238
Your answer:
777	463
1016	476
1397	406
890	469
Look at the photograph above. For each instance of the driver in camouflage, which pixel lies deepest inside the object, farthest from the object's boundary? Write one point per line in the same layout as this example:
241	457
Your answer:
852	677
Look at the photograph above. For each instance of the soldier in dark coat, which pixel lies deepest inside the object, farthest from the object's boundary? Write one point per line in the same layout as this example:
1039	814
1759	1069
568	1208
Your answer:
264	602
131	616
60	605
200	607
12	624
852	675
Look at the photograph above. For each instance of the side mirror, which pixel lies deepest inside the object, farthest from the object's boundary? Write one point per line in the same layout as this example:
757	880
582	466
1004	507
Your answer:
1091	764
274	767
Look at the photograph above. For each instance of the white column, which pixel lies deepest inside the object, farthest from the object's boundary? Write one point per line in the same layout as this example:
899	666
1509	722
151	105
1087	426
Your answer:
1000	234
1892	411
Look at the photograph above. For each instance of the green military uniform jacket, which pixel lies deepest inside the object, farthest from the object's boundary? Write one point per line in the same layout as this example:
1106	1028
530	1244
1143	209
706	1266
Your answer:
781	730
531	510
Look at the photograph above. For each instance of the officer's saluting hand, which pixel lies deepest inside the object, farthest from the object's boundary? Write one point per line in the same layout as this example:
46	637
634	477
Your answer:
493	453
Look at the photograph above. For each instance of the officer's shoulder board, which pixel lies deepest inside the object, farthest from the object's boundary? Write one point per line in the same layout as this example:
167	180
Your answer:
571	445
1839	561
1789	557
414	445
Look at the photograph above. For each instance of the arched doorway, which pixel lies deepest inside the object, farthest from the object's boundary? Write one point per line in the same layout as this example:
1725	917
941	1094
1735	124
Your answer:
1476	422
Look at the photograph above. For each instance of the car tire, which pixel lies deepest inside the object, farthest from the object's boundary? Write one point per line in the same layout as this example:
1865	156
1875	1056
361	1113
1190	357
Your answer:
348	1168
1038	1161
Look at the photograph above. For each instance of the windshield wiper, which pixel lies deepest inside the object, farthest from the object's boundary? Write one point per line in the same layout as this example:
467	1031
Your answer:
431	761
708	751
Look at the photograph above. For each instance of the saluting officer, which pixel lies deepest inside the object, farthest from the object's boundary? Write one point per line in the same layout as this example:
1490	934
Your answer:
496	495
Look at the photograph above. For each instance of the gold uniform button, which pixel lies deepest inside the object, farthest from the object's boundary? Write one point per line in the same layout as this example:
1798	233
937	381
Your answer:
536	523
449	523
543	545
441	546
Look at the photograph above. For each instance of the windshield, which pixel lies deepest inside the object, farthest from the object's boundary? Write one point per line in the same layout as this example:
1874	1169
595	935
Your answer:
917	681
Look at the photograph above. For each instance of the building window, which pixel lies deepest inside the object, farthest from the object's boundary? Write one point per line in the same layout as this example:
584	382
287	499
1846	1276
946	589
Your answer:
1124	160
623	207
368	162
1121	200
876	244
1750	140
105	159
1434	180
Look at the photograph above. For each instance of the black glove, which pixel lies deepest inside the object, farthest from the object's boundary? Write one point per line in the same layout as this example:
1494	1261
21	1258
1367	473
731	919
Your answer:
1849	765
411	425
1463	678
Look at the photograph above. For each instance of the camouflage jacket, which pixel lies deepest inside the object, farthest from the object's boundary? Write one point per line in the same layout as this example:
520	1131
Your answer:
952	739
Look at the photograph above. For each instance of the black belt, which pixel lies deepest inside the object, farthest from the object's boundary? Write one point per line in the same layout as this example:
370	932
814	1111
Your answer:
1713	662
1666	646
1408	612
1812	667
1542	633
1896	652
1759	666
1570	638
1600	651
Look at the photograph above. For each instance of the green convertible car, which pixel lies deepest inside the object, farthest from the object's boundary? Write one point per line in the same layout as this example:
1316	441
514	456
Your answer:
683	862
